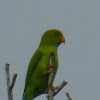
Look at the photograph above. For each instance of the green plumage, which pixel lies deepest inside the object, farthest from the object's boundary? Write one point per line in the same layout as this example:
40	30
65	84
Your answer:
36	79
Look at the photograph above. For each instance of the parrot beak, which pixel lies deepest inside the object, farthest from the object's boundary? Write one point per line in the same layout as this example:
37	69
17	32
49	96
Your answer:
62	40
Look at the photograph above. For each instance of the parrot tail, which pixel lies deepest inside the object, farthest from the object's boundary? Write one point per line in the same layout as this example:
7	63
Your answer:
23	97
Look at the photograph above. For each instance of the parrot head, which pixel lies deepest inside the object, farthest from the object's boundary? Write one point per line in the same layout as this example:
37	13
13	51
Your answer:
52	37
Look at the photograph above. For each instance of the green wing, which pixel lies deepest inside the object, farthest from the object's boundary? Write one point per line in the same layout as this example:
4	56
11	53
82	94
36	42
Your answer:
32	65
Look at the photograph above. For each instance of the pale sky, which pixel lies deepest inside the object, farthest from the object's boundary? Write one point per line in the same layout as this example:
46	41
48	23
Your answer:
22	23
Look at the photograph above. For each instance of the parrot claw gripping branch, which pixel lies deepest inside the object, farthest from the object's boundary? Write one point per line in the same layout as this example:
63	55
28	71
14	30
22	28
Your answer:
53	91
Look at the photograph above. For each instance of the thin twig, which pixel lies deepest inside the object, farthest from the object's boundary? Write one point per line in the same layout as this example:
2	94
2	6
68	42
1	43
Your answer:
51	76
59	87
9	84
68	96
7	75
13	81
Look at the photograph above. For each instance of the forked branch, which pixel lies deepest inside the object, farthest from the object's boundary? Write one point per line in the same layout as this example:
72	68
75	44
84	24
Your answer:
10	85
52	92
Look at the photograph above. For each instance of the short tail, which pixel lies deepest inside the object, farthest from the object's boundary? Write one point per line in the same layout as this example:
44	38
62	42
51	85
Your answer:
23	97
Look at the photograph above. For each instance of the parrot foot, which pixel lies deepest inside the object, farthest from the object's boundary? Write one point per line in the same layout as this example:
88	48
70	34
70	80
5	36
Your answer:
48	72
46	91
54	88
51	65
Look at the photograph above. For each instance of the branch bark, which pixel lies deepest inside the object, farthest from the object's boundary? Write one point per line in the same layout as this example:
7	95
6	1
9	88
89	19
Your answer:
52	92
59	88
51	76
68	96
10	85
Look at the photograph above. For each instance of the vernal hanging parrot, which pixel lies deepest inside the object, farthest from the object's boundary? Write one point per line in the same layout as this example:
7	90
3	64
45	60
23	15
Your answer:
37	75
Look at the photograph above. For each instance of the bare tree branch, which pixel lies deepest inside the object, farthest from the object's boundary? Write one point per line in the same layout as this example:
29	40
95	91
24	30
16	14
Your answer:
7	75
51	76
10	85
59	87
52	92
13	81
68	96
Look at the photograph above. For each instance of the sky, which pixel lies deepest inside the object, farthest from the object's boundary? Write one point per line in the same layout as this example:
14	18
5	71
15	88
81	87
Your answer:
23	22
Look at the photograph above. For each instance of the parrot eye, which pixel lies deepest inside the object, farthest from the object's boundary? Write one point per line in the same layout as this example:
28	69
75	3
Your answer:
55	33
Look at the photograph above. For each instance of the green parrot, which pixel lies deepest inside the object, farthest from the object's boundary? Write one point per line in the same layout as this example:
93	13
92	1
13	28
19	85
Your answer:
37	75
